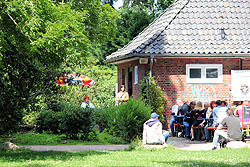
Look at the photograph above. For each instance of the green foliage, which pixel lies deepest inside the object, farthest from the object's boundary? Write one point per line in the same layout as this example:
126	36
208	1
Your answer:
136	144
152	94
30	118
105	137
126	120
73	121
101	118
153	7
101	94
52	139
36	38
130	23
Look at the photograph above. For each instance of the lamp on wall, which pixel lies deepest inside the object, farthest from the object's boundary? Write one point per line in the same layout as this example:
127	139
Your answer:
143	60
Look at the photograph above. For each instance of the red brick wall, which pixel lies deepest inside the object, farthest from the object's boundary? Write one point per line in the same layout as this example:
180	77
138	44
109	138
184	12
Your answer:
142	69
246	64
170	75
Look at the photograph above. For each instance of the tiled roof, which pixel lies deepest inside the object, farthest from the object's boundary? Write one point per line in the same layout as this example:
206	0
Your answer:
194	27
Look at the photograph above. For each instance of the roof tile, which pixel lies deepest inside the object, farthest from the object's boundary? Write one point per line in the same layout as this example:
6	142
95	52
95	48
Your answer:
194	26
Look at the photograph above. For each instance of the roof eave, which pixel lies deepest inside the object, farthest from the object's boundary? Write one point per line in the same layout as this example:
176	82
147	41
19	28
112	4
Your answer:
131	57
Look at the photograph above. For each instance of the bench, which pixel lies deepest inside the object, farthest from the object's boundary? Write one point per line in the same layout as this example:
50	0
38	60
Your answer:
27	128
245	128
212	129
197	132
177	126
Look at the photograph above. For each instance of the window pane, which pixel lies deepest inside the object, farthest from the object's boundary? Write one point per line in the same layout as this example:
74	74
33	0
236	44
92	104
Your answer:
212	73
136	74
195	73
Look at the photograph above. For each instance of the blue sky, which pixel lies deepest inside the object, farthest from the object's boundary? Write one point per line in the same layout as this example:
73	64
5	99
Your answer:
118	4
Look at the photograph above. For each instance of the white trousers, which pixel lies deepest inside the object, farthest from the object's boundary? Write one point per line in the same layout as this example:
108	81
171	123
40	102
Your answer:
218	133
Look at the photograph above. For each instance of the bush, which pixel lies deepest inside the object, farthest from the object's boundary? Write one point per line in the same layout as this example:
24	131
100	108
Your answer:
153	96
100	118
105	137
9	121
73	121
126	120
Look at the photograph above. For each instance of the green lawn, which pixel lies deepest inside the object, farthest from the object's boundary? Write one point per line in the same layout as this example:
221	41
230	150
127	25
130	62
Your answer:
50	139
165	157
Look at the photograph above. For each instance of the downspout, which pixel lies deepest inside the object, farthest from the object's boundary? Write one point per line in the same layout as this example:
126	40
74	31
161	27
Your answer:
150	74
240	63
151	67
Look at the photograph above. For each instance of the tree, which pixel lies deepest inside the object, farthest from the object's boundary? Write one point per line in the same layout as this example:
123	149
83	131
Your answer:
36	38
154	7
152	94
130	23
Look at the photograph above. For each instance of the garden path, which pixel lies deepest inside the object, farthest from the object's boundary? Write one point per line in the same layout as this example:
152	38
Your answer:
77	147
180	143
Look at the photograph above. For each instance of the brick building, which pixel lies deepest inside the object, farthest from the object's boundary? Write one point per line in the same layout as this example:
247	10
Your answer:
190	49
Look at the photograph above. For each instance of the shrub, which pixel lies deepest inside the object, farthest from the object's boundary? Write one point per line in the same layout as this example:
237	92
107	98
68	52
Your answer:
100	118
126	120
73	121
104	136
30	118
153	96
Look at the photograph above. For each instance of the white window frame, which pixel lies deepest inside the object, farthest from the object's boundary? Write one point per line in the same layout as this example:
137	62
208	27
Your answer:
203	78
136	75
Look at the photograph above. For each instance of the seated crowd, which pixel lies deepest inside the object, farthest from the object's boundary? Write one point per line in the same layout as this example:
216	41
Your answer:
195	115
201	116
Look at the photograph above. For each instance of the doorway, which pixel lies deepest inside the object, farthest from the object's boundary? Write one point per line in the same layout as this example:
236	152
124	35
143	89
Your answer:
130	83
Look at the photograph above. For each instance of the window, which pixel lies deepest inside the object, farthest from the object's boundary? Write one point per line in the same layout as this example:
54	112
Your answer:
136	75
124	76
195	73
204	73
211	73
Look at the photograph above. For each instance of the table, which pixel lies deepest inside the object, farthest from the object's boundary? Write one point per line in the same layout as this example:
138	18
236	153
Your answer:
178	116
207	119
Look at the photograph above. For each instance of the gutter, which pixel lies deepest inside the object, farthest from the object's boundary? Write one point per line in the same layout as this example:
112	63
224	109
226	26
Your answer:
131	57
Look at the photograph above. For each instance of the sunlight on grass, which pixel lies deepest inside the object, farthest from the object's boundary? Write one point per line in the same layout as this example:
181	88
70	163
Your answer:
164	157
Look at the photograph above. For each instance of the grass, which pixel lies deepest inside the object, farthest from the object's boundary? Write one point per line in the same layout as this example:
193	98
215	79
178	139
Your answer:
50	139
164	157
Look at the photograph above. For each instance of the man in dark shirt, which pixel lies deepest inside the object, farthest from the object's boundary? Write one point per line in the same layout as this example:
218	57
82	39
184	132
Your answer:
188	121
233	129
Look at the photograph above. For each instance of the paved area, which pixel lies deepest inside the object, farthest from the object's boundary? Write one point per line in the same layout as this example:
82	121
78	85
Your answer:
77	147
185	144
180	143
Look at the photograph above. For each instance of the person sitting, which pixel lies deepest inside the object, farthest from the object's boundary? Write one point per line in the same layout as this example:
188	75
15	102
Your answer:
87	103
152	131
187	121
209	114
219	113
223	103
233	129
239	112
174	109
122	96
198	112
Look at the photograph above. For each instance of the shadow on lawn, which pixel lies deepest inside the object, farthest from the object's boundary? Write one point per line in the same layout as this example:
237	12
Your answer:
24	155
201	163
